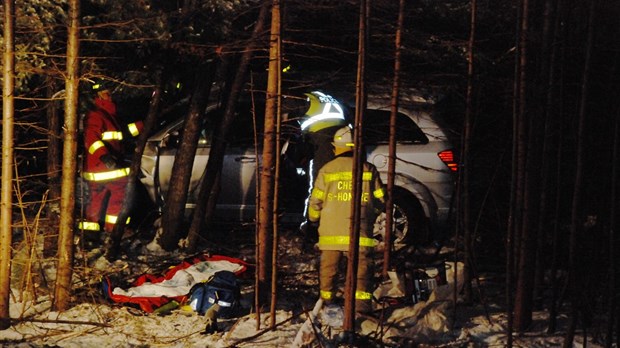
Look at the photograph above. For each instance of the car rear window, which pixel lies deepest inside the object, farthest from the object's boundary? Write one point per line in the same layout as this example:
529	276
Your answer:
241	131
377	128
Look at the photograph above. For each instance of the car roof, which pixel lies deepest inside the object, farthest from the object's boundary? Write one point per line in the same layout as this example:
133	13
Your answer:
420	107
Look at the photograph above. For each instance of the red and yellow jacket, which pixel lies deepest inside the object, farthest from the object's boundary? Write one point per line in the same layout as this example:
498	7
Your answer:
103	135
330	202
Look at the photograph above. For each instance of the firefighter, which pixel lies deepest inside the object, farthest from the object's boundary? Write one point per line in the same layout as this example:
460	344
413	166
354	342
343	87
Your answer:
323	118
330	207
105	169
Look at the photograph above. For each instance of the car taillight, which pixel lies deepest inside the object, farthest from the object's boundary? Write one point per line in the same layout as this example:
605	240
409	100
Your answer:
447	157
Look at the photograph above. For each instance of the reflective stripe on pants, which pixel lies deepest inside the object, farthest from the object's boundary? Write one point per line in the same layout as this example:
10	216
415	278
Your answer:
89	226
329	270
106	199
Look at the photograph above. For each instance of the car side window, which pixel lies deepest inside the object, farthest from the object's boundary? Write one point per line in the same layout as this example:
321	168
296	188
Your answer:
241	133
242	130
173	138
377	128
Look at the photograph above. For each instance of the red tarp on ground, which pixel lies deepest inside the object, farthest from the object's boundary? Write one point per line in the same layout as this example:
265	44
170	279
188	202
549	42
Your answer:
150	291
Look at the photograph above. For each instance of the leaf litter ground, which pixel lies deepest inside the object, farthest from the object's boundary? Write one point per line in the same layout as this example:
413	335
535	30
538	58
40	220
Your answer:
93	321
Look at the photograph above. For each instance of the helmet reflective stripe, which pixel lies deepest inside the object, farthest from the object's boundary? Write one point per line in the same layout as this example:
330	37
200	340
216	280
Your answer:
326	295
112	135
327	114
362	295
322	107
89	226
344	240
321	97
99	86
95	146
114	174
133	129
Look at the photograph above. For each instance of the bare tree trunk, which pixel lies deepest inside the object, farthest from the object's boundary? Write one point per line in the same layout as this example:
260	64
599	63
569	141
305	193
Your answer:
278	68
527	245
555	241
558	173
548	54
207	195
514	217
575	225
613	267
132	180
521	129
354	233
8	116
174	213
50	241
465	172
389	204
265	208
62	291
257	247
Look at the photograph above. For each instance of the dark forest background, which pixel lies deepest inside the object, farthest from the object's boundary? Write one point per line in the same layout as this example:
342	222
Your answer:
554	180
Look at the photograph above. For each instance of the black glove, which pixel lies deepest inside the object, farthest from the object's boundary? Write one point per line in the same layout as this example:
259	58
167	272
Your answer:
312	231
109	160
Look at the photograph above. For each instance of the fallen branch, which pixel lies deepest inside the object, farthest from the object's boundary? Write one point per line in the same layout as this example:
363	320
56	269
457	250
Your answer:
316	333
298	342
59	321
260	333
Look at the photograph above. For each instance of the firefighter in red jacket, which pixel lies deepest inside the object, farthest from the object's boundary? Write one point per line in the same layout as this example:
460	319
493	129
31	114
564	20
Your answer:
330	207
104	167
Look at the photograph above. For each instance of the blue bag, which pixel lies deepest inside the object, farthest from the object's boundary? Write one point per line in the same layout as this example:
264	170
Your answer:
222	288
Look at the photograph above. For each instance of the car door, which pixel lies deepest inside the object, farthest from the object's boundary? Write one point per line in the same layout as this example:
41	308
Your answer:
236	200
168	149
237	197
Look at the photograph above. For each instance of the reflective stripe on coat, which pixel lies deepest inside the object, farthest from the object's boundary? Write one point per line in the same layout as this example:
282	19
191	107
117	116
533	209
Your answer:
330	203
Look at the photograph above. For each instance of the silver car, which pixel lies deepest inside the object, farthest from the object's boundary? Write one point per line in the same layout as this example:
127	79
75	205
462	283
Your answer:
424	181
426	167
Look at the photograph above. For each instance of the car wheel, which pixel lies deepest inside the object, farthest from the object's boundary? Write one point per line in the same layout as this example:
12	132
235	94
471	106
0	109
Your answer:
410	225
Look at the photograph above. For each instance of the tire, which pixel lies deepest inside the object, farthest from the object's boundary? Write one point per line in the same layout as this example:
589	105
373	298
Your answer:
410	226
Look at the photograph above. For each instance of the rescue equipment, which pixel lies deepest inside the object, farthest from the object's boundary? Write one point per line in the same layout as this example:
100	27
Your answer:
221	289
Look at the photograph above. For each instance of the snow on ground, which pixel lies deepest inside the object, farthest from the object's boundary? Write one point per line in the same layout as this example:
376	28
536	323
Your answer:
94	322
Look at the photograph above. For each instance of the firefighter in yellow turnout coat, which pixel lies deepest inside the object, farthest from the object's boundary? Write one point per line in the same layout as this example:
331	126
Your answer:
330	206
